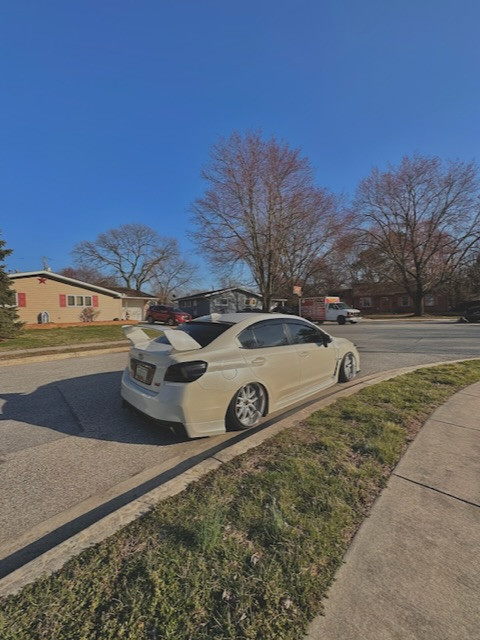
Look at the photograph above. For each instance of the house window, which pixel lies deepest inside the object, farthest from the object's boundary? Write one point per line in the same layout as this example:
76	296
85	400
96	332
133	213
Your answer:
79	301
20	300
429	300
365	303
223	300
404	302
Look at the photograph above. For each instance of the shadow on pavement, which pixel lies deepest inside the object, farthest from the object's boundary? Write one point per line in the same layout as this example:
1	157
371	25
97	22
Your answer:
88	407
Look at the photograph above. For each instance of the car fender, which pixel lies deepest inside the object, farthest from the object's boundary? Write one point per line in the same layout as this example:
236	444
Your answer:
343	346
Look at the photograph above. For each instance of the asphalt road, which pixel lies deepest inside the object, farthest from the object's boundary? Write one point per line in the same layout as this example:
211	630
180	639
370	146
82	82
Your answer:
391	345
69	453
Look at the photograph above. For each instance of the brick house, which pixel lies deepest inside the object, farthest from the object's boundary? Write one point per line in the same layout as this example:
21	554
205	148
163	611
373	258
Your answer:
389	298
44	296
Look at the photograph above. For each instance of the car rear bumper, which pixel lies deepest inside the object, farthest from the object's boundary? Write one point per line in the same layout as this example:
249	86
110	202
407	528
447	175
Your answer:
170	405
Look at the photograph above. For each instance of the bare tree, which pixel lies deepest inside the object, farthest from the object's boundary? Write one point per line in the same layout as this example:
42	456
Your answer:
465	286
423	219
261	209
130	253
172	276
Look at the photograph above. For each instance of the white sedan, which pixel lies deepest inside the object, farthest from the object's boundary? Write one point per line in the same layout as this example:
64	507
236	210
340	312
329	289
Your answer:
223	372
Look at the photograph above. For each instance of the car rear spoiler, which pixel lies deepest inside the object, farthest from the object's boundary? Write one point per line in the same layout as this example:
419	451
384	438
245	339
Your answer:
179	340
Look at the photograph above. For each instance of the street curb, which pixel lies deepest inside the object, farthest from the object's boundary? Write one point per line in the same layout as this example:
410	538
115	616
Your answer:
62	356
55	558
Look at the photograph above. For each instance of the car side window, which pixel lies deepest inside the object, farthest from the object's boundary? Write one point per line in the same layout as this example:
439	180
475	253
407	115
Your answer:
263	334
302	333
247	339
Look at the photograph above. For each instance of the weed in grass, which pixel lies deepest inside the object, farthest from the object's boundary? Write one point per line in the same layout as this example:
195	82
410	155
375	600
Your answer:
210	530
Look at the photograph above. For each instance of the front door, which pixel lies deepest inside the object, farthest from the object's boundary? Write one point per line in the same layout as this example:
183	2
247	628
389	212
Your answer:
317	361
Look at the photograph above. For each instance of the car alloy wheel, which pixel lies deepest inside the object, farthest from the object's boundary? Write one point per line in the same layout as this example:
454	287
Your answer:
247	407
348	368
170	322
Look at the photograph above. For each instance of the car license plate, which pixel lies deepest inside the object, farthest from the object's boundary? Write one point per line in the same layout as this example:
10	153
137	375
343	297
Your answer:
144	373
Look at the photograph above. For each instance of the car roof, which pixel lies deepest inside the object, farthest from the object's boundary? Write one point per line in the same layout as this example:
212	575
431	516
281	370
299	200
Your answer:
235	318
235	324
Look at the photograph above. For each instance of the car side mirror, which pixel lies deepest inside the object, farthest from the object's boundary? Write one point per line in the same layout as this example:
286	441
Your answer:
327	340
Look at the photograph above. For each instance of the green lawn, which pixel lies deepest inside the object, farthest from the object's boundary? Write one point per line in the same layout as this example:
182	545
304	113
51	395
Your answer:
66	336
249	551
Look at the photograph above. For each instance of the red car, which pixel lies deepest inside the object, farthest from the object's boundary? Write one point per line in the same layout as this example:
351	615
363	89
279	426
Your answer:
167	315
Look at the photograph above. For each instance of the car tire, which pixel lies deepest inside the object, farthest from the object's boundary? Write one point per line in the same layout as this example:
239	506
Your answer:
247	407
348	368
341	319
171	322
150	320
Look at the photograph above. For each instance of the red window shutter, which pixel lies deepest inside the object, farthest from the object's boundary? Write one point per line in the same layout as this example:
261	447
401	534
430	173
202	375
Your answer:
95	301
63	300
22	299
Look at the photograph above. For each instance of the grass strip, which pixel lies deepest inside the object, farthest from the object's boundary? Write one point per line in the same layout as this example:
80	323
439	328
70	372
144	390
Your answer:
65	336
68	337
249	551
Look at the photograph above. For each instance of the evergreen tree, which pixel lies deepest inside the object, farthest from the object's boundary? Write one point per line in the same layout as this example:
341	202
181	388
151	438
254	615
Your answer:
9	321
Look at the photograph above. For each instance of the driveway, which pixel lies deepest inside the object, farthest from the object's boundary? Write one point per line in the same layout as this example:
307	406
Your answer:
70	454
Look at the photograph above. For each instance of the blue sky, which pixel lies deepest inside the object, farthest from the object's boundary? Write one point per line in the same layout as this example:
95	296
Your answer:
108	108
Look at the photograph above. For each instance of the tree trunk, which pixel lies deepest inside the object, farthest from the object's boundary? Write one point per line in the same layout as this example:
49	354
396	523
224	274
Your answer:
418	306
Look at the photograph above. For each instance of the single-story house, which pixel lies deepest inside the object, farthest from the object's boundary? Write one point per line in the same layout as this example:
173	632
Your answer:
134	303
44	296
389	298
229	300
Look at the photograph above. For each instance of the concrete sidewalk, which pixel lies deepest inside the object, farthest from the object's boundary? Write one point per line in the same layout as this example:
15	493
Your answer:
413	570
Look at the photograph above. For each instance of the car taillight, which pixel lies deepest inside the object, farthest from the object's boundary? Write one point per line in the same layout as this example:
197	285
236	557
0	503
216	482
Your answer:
185	371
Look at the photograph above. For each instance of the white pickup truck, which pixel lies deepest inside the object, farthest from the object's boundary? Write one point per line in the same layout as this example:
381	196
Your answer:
323	308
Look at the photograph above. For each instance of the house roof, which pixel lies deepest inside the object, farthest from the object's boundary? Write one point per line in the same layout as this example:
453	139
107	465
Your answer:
215	292
133	293
115	292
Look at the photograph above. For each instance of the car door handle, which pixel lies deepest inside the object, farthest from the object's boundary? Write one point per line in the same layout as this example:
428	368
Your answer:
303	354
258	361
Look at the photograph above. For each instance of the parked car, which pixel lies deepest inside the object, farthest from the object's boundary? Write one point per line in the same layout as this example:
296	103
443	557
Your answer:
226	372
472	314
280	308
167	315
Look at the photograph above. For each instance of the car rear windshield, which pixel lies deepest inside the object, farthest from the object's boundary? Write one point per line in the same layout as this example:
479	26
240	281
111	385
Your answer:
203	332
